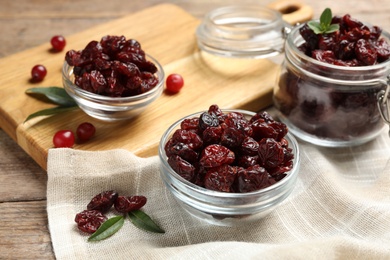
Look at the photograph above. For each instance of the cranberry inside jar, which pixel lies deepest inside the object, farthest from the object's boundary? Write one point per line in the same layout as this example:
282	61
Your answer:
327	91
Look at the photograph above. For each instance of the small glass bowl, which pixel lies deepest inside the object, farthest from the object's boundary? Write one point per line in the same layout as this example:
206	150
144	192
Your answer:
111	108
221	208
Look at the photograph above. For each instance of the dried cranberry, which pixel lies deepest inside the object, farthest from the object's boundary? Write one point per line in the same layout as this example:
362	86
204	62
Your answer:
232	137
126	204
190	124
212	135
187	137
271	153
351	23
326	41
279	172
262	129
215	111
216	155
324	56
220	178
383	50
249	146
280	129
112	44
365	52
207	120
309	36
237	120
247	160
375	32
262	115
288	154
253	178
182	167
182	150
89	220
103	201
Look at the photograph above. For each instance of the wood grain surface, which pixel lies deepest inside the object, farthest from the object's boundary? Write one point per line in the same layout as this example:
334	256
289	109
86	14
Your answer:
26	24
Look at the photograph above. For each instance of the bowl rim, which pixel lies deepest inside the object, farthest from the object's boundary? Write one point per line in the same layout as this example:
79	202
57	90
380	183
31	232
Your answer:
189	185
67	71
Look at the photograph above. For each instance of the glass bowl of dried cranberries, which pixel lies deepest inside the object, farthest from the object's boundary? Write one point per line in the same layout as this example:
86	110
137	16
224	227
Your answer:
112	79
229	167
333	87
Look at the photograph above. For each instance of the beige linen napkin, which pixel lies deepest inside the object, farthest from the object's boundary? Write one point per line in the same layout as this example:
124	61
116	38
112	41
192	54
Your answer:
339	209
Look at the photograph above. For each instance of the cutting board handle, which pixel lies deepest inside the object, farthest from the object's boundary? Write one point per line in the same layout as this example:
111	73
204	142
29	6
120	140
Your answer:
292	11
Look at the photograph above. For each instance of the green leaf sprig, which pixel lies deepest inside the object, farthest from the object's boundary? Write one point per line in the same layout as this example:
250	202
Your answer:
324	26
108	228
55	95
112	225
141	220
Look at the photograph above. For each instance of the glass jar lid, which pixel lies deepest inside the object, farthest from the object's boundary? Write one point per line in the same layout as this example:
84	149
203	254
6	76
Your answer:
248	31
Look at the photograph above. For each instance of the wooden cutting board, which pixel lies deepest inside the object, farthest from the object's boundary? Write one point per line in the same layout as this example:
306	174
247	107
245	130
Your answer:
167	33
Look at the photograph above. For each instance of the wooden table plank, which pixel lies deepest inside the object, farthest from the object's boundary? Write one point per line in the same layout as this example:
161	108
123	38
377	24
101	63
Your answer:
24	231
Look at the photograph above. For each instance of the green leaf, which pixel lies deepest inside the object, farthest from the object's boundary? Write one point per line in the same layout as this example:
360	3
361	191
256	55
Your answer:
108	228
50	111
333	28
56	95
141	220
326	17
324	26
315	26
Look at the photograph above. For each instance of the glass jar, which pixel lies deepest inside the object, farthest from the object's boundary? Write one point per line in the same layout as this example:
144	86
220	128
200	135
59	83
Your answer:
329	105
324	104
242	31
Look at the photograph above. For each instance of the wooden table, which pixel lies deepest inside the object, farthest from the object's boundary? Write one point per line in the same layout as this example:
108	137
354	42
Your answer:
24	24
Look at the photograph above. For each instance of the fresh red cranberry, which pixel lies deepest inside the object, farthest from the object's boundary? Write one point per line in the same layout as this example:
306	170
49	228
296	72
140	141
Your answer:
38	73
174	83
63	139
58	42
85	131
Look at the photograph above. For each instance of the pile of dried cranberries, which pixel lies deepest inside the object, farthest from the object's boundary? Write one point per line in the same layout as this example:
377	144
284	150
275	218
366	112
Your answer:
93	217
354	44
113	67
229	153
